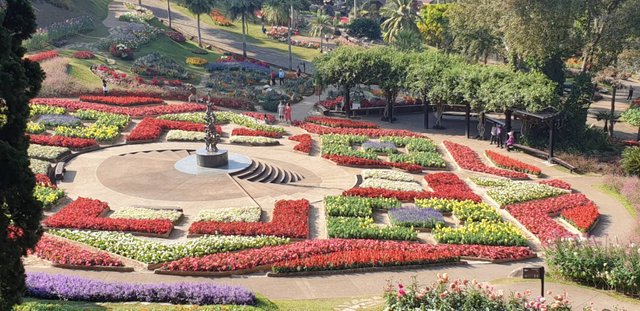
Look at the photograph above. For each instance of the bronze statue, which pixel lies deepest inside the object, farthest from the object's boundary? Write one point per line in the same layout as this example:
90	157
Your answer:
211	135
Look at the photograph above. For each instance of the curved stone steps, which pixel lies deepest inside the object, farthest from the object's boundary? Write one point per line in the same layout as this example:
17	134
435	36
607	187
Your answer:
267	173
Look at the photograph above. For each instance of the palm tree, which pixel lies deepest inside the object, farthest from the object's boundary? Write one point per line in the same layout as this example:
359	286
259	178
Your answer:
318	25
275	14
199	7
242	8
289	5
400	15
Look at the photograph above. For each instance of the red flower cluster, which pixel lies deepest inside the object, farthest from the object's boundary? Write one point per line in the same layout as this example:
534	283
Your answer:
43	56
582	217
290	219
83	54
318	129
278	256
44	180
305	143
355	161
334	122
242	131
385	193
330	103
62	252
151	129
176	36
235	58
112	72
556	183
512	164
260	116
122	101
61	141
132	111
233	103
536	215
85	213
469	160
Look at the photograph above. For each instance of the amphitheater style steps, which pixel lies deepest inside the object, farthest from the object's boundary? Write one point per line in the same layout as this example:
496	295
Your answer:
267	173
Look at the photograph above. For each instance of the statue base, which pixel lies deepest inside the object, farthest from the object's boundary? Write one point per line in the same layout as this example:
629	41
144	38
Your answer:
212	159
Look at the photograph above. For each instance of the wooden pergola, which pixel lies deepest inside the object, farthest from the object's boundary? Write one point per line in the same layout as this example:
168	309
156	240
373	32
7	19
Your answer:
548	116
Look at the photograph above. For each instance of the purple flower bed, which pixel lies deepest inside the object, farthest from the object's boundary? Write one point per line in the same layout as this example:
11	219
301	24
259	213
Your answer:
49	286
416	217
236	66
59	120
383	147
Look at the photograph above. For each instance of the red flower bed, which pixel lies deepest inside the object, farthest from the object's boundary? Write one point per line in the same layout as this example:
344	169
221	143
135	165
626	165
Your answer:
260	116
83	55
44	180
556	183
241	131
333	122
73	105
305	143
469	160
42	56
61	141
355	161
233	103
85	213
385	193
330	103
151	129
512	164
62	252
122	101
537	215
361	249
582	217
290	219
318	129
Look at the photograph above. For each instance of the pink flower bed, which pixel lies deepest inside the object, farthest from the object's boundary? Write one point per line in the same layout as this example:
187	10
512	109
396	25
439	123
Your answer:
73	105
122	100
355	161
305	143
321	130
469	160
260	116
512	164
42	56
65	253
556	183
151	129
344	123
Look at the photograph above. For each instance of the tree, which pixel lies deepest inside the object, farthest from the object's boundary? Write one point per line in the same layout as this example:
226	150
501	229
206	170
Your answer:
388	71
275	14
365	27
474	30
20	213
240	9
289	5
434	26
199	7
400	15
408	41
318	25
632	116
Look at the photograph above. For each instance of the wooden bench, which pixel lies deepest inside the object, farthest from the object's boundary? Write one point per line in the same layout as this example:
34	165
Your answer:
59	171
545	155
564	164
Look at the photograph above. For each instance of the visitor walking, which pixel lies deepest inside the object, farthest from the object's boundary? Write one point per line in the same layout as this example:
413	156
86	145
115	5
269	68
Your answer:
281	76
511	141
105	88
287	113
298	72
264	29
193	94
630	93
494	133
499	142
281	111
273	77
304	67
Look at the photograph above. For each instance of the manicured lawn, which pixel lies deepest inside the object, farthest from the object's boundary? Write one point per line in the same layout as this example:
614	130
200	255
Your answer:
615	194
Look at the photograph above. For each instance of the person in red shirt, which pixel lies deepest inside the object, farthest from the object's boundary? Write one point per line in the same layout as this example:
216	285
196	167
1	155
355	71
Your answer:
287	113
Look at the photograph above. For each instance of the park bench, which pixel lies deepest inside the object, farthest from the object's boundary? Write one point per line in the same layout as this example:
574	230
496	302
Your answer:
59	171
544	155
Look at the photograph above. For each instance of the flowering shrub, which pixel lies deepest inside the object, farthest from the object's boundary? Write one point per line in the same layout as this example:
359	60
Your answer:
122	101
43	180
58	119
36	110
231	214
46	286
60	30
556	183
511	164
146	213
176	36
446	295
150	252
180	135
469	160
330	103
322	130
62	252
48	153
97	132
48	196
156	64
39	166
253	140
239	131
196	61
131	111
131	35
83	54
61	141
42	56
140	16
391	184
305	143
469	211
582	217
151	129
85	213
219	19
416	217
290	219
334	122
482	232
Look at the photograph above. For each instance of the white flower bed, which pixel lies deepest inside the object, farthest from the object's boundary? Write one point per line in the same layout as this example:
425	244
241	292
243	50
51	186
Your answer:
231	214
46	152
180	135
146	213
125	244
387	174
253	140
39	166
391	184
516	192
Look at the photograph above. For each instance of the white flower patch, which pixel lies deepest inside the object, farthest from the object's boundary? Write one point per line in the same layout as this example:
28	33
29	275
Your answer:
391	184
146	213
231	214
180	135
254	140
388	175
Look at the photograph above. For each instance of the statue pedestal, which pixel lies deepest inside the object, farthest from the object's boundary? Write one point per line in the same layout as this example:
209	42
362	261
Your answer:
212	159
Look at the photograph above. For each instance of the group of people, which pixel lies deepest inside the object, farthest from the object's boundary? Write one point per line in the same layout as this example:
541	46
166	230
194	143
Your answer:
497	136
280	75
284	112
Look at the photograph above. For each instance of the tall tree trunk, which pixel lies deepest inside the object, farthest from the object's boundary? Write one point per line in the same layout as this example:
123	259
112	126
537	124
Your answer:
347	100
613	111
244	37
169	11
199	33
140	2
321	29
355	9
290	24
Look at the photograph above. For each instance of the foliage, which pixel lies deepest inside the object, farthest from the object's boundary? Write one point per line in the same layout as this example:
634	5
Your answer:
631	160
408	41
365	27
47	196
434	25
196	61
401	15
20	212
156	64
58	31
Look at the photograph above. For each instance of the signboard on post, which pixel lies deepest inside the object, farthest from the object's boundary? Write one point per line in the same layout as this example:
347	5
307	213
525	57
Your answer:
534	273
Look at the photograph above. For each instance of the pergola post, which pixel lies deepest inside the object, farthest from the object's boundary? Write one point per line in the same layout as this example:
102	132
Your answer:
426	113
507	120
467	118
551	139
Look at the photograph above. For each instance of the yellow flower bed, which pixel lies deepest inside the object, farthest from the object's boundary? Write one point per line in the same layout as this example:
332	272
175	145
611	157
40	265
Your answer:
197	61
